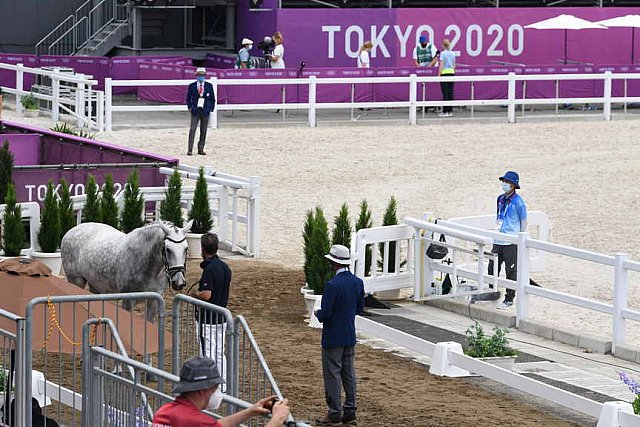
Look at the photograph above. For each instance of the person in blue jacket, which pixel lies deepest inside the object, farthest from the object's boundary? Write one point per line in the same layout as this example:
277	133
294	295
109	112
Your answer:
342	300
200	101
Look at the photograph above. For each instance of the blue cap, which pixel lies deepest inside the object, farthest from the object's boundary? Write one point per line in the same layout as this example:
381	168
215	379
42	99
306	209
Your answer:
423	39
512	177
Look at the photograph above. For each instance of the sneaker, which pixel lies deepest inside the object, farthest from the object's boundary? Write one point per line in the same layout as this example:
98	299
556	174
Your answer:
442	114
350	420
505	305
328	421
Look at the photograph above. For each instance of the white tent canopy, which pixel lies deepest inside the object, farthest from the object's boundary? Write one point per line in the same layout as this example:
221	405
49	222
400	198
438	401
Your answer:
627	21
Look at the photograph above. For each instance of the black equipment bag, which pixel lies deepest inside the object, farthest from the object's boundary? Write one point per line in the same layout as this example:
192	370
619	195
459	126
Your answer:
436	251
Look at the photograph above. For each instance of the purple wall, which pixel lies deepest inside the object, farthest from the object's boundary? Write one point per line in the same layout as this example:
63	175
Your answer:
331	37
25	147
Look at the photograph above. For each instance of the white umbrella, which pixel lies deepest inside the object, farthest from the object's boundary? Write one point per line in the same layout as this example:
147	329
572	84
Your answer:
627	21
565	22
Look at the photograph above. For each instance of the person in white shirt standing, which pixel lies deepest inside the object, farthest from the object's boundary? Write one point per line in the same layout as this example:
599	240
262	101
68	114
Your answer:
425	54
277	57
363	55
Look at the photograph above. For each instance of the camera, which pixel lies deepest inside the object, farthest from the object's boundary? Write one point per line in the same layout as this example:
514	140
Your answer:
266	46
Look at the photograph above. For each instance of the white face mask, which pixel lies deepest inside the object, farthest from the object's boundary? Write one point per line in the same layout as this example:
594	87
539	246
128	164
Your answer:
215	400
506	187
250	46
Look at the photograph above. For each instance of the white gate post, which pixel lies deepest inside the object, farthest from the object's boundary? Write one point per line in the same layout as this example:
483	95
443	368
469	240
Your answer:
100	111
606	107
312	101
108	98
413	97
620	289
522	300
19	86
418	260
80	101
213	120
55	98
511	98
223	214
255	216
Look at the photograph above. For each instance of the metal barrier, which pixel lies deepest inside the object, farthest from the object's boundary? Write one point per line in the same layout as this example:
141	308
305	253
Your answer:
57	321
12	366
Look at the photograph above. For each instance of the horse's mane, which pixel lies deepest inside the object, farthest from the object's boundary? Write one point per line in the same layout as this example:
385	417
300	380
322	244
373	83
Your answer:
147	239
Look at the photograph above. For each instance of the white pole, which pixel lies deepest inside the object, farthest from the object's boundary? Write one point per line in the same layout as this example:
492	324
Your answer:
223	214
511	98
213	120
255	215
80	101
522	301
607	96
108	98
234	222
413	98
55	98
312	101
19	86
620	289
100	111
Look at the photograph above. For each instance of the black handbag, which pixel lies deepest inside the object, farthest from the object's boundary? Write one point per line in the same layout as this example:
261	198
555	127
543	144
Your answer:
436	251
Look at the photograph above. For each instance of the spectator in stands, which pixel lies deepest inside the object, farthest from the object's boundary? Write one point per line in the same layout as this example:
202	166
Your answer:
511	218
364	61
425	54
214	288
342	300
277	57
198	390
447	68
200	101
244	54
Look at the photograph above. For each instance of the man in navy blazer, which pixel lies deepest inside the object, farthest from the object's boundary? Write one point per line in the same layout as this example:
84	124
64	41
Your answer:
200	101
342	300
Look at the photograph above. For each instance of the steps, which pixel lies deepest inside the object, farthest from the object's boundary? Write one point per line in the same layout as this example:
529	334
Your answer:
106	39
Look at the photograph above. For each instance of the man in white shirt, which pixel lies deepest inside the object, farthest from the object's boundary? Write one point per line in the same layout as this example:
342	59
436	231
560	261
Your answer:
425	54
277	57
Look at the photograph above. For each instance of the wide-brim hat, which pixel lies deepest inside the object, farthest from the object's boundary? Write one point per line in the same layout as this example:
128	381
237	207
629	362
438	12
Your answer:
246	41
339	254
201	70
512	177
197	373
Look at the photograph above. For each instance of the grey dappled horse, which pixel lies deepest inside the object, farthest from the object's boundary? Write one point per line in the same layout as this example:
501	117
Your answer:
113	262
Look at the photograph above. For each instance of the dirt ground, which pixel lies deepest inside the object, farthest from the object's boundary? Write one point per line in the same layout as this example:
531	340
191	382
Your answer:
391	390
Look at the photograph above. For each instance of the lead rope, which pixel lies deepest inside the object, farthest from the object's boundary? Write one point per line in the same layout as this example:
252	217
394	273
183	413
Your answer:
54	322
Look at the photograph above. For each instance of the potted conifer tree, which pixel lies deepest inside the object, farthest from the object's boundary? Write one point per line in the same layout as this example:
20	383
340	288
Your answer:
133	210
13	235
390	218
200	213
306	248
342	228
171	208
49	233
365	221
319	270
6	169
65	206
108	205
91	210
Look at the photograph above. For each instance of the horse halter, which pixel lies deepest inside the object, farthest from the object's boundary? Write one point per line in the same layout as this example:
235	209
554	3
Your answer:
168	270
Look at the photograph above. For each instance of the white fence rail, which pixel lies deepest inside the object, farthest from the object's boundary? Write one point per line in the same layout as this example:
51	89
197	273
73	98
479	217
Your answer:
413	103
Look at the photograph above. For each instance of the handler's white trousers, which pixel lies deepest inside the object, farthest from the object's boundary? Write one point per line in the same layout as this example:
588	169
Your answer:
212	346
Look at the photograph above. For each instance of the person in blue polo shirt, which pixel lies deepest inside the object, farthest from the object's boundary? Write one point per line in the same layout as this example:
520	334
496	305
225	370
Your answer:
511	218
342	300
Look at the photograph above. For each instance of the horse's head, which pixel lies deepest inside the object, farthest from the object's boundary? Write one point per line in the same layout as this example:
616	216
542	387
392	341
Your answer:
174	253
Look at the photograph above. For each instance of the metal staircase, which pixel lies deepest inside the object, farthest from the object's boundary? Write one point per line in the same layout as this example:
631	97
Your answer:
94	29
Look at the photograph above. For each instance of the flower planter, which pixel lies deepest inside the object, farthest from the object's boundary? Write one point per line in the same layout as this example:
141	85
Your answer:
194	251
51	260
313	302
504	362
31	113
306	290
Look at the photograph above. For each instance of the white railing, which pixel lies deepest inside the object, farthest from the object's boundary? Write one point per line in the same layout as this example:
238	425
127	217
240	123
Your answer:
476	243
78	105
312	82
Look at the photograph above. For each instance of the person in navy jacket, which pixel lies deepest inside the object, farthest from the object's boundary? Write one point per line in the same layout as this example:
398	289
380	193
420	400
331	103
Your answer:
200	101
342	300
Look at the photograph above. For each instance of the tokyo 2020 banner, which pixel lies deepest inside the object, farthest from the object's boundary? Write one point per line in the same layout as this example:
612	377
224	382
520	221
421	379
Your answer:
332	37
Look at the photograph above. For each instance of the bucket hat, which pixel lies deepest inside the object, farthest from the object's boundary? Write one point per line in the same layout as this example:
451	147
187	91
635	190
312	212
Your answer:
512	177
339	254
197	373
246	41
201	70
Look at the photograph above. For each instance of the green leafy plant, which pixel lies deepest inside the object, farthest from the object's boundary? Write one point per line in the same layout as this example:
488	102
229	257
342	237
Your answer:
64	128
365	221
49	233
133	204
6	169
307	230
200	211
170	208
319	269
390	218
108	205
30	102
342	228
13	235
65	206
91	211
481	345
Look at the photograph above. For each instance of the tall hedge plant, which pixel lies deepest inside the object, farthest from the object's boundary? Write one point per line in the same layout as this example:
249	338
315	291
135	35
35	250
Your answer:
342	228
91	211
133	209
49	233
108	205
390	218
170	208
6	170
65	206
13	235
319	269
200	210
365	221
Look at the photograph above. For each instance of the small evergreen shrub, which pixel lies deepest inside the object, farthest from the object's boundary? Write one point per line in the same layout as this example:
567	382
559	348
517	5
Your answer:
133	204
365	221
390	218
6	170
200	210
13	235
108	205
481	345
49	233
91	211
65	206
170	208
30	102
320	271
307	231
342	228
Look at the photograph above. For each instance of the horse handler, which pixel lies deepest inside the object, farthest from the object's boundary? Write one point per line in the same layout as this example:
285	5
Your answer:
342	300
